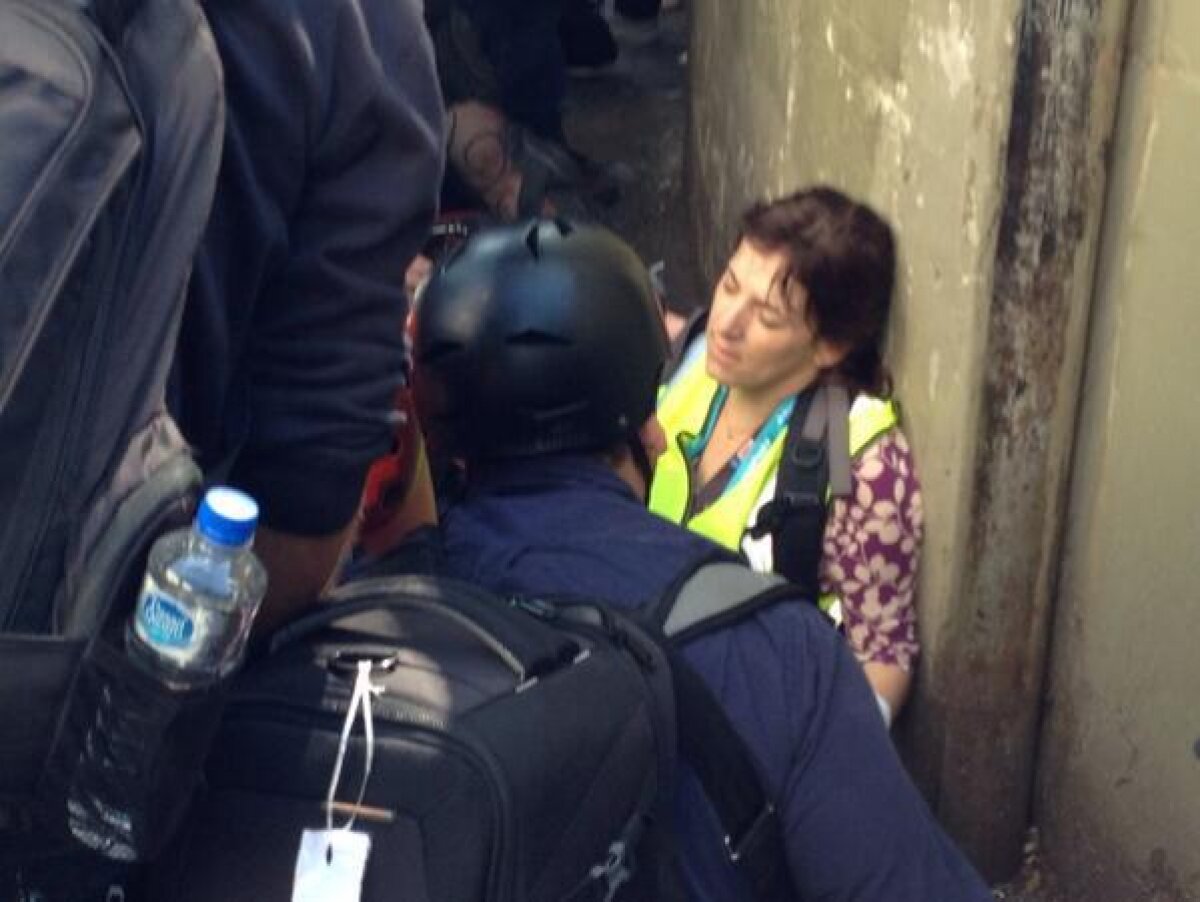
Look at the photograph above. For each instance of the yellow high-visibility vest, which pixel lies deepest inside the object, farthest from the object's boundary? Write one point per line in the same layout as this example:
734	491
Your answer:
684	406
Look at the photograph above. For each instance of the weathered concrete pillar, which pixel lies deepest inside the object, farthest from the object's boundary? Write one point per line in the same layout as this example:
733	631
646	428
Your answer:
983	715
1119	769
978	127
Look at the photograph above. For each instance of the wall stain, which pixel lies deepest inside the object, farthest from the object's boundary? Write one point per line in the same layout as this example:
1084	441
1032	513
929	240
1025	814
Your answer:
1051	183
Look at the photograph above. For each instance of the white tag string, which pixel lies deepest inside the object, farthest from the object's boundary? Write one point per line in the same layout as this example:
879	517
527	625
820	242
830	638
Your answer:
359	700
364	674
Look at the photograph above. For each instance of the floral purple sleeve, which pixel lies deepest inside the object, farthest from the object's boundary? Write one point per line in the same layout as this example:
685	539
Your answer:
872	551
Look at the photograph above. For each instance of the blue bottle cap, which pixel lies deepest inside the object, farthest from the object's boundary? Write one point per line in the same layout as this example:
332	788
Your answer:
227	516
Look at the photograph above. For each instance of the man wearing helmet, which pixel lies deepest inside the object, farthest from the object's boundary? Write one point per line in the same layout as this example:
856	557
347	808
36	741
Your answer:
539	349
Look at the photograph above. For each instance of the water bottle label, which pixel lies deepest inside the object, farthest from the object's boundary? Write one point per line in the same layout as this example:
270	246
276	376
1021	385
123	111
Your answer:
162	622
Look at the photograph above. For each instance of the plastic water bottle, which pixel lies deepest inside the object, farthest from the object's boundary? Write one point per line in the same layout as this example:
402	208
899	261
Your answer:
202	588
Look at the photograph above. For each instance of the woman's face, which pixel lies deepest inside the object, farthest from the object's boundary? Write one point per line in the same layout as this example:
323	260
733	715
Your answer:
758	340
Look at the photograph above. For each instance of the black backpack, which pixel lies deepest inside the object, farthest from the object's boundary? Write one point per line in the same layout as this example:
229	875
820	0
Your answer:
521	753
112	112
524	749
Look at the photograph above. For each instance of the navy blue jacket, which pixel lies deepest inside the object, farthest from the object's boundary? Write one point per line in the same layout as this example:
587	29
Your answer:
291	348
855	827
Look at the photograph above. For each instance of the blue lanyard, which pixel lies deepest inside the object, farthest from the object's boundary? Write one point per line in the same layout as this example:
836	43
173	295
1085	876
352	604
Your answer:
743	461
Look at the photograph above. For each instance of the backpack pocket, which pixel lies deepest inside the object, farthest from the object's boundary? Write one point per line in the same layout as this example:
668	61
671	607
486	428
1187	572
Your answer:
128	755
98	727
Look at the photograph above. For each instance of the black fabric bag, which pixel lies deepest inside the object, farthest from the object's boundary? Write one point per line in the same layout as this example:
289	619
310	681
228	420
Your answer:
525	749
112	113
717	592
523	752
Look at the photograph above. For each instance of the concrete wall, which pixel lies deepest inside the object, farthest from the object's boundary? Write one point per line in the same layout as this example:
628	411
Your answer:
978	128
1120	779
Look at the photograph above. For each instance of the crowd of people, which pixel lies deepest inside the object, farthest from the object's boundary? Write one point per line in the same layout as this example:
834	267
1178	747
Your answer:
604	461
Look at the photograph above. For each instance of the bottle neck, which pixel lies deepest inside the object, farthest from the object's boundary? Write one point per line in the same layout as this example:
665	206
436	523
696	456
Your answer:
212	548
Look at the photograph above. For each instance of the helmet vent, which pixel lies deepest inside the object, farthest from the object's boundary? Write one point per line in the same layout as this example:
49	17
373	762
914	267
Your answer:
537	337
531	241
557	416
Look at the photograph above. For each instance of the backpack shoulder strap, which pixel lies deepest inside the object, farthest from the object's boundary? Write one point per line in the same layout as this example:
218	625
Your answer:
732	782
795	516
717	593
814	465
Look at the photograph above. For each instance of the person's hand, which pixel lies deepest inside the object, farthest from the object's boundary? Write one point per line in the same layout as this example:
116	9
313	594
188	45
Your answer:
480	153
674	323
416	276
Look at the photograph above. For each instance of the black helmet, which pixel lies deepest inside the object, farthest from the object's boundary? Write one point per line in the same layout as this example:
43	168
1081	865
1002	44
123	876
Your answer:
537	338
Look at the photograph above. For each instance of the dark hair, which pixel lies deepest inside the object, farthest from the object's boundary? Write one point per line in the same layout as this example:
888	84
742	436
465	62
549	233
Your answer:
843	254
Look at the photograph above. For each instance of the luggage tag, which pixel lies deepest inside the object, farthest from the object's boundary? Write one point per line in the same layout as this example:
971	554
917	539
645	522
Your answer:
330	866
331	862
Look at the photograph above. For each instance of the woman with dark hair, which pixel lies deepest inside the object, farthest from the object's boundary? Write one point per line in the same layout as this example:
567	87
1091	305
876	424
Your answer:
783	440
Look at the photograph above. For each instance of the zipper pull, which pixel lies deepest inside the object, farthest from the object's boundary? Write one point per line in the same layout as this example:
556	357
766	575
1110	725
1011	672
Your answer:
537	607
614	872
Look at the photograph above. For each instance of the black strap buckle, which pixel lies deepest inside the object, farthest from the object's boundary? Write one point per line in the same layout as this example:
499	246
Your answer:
794	501
806	454
772	514
747	844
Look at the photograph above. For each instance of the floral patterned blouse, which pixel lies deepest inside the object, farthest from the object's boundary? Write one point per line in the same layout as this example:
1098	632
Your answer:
872	552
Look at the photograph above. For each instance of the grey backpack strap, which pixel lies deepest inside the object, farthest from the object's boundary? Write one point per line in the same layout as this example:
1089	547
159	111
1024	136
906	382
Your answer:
828	421
817	419
838	438
718	593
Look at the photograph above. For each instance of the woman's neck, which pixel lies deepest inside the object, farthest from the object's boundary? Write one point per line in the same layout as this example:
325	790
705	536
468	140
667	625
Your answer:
752	406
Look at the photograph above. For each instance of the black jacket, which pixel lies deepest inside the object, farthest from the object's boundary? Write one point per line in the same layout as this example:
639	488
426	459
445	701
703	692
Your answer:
291	349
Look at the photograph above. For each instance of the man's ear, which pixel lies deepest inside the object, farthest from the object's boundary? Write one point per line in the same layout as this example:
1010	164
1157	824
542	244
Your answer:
653	438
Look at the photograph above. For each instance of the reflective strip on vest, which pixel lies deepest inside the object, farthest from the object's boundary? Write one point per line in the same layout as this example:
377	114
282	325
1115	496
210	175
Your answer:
683	407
